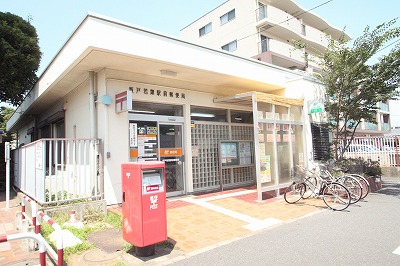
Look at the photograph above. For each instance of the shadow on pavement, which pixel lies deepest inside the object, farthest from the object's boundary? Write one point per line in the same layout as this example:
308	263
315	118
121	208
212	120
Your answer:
390	186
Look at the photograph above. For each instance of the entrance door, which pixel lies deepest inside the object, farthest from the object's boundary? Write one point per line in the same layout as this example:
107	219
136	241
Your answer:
171	152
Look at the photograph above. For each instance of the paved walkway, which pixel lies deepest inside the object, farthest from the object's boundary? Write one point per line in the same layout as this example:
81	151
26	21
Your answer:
195	223
13	252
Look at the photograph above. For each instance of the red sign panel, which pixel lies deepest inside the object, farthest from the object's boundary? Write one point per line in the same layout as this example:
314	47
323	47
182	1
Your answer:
152	188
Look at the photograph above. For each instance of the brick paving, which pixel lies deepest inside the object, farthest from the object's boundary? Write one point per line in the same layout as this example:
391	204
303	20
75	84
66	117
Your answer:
194	222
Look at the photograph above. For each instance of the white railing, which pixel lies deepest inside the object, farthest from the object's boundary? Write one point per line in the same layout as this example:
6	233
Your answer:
383	149
58	170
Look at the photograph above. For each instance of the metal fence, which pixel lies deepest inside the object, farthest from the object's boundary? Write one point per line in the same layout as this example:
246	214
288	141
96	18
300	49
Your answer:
384	149
59	170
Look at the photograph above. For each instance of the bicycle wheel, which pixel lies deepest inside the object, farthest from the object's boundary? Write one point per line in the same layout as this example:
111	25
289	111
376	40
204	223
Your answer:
311	184
353	186
336	196
364	184
294	192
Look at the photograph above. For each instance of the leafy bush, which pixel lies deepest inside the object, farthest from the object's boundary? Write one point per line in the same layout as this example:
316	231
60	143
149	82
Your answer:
372	168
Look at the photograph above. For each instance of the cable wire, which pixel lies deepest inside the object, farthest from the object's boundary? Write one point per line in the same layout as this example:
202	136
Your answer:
304	12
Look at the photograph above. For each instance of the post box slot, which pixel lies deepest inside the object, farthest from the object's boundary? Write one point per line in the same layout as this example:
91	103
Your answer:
152	181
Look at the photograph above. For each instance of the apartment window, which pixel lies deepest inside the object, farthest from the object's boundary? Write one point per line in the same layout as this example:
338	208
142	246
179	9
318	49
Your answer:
206	29
262	11
228	17
264	44
232	46
303	29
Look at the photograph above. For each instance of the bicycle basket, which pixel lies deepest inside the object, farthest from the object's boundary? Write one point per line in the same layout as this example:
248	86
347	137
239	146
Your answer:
297	174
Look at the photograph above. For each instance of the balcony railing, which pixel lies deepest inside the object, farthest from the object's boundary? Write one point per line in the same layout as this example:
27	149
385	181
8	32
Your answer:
59	170
371	126
284	49
269	15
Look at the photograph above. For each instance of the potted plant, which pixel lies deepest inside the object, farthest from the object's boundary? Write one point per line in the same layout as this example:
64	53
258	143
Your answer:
373	171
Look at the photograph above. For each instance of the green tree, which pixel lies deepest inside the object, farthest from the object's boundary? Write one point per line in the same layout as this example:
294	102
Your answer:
354	87
5	114
19	57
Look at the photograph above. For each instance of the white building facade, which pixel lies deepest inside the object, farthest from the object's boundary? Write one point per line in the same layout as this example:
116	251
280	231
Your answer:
216	119
265	30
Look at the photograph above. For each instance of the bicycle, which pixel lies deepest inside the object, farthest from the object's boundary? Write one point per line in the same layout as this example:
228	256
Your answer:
366	188
350	182
335	195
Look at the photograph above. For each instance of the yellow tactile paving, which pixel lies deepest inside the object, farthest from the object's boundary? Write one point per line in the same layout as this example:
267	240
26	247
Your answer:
278	210
193	227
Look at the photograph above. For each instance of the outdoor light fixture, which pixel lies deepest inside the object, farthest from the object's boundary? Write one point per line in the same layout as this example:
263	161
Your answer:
144	111
202	115
169	73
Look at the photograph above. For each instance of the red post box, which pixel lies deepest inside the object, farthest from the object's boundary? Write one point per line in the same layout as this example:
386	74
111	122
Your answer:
144	213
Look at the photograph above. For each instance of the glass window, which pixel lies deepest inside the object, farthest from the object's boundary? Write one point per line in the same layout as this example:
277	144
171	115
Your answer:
156	109
262	11
208	114
227	17
264	44
297	144
241	117
232	46
281	113
206	29
303	29
296	113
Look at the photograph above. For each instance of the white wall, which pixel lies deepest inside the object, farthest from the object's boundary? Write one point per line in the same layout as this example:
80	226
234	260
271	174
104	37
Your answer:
77	119
243	25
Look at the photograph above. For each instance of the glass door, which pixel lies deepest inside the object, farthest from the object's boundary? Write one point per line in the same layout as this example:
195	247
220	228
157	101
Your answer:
171	152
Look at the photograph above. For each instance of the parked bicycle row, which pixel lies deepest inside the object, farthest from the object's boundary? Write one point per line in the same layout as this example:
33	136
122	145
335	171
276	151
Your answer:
334	185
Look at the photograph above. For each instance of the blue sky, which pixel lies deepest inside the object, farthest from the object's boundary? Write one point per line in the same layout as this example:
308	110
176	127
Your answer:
55	20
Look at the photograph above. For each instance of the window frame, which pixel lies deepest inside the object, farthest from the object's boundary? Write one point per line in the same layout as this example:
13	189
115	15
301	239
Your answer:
205	27
229	46
226	17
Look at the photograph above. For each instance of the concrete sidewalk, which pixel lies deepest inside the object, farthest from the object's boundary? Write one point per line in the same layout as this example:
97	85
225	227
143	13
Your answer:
195	224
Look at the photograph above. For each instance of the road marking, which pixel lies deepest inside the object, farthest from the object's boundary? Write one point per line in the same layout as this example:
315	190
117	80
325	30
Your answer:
236	215
262	224
254	224
397	251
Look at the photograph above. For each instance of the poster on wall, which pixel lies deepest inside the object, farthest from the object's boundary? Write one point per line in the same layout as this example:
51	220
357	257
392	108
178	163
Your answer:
261	138
265	169
229	153
39	155
133	140
285	137
245	156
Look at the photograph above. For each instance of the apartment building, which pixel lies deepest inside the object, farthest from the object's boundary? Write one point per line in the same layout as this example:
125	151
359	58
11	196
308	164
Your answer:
265	30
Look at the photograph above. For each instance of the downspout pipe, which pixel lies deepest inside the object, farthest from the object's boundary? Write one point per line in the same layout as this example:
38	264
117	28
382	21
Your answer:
92	106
